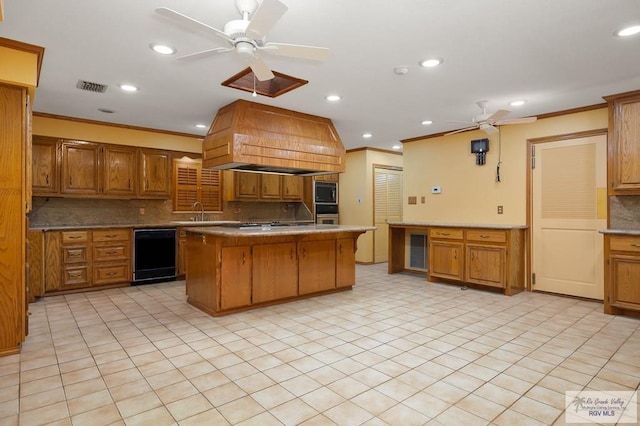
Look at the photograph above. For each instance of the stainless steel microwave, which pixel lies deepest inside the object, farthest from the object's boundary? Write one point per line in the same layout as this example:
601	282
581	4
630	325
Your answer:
325	192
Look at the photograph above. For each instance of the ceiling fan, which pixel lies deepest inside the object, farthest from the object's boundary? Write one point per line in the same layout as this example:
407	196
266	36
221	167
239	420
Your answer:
487	122
246	37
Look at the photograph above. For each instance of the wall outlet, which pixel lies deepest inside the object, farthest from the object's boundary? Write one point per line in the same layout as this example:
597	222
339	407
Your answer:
500	210
141	211
436	189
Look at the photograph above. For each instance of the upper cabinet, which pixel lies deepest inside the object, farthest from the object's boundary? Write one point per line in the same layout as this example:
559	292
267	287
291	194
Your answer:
154	178
45	165
246	186
192	183
71	168
623	144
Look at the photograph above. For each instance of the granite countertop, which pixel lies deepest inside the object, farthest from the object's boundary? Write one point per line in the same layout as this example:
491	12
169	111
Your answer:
227	231
457	225
620	231
171	224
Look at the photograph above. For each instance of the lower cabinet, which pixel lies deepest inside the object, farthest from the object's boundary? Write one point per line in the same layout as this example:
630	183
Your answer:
275	272
317	260
82	259
622	274
345	259
235	289
489	257
182	249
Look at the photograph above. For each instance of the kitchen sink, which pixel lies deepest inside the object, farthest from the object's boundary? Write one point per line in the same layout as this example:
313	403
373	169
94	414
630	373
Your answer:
206	222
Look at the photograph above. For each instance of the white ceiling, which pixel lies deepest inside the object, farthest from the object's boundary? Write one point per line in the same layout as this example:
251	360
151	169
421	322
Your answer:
556	54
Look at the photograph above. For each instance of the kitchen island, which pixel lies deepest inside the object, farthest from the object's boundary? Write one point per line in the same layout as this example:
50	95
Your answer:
230	269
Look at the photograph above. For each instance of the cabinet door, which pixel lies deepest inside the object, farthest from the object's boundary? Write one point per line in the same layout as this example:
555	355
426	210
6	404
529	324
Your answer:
275	272
120	171
625	170
486	264
446	260
235	277
154	180
317	263
624	282
35	261
80	171
185	184
270	187
292	188
182	246
44	166
246	186
345	262
53	260
210	190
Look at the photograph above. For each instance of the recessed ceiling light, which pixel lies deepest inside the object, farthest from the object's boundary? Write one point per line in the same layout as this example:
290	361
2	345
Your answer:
367	135
201	126
128	87
397	146
401	70
517	103
162	49
432	62
333	98
628	31
426	122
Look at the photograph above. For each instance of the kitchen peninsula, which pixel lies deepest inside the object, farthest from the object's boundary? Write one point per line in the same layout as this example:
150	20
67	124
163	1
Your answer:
237	268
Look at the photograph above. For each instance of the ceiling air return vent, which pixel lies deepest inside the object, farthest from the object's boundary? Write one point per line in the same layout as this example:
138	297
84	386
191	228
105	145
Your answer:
91	87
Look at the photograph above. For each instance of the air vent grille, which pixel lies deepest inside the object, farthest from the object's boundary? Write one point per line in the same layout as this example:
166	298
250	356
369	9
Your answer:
91	86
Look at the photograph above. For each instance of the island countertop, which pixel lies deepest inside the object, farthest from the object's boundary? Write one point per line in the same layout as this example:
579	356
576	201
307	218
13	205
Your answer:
457	225
266	230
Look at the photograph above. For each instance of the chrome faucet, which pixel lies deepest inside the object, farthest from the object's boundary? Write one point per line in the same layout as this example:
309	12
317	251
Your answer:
193	207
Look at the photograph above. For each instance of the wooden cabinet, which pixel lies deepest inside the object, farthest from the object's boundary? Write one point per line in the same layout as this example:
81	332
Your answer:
486	257
235	284
623	146
80	168
119	171
330	177
345	259
45	165
154	178
274	263
192	183
292	188
35	264
446	253
14	142
81	259
622	274
182	251
247	186
317	263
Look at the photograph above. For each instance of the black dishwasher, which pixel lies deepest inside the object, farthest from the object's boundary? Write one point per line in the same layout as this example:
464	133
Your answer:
154	255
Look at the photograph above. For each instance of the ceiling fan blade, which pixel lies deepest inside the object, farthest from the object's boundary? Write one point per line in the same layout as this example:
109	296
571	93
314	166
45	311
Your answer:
191	23
461	130
265	17
205	53
501	113
296	51
516	121
260	69
489	129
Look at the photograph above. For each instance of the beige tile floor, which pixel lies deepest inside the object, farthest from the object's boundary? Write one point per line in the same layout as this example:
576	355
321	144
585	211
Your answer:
394	350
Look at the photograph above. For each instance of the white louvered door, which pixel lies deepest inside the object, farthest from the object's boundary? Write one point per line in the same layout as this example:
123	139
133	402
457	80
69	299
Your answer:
387	208
569	208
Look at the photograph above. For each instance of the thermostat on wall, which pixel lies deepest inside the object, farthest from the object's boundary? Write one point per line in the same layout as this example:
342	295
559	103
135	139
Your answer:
436	190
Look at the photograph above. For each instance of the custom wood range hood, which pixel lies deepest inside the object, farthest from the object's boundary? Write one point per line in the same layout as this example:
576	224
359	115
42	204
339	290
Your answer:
248	136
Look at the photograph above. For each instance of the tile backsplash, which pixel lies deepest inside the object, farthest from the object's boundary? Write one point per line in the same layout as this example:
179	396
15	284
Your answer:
52	211
624	212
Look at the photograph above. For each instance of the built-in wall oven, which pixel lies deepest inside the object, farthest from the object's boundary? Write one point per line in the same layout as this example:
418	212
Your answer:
154	255
325	197
327	214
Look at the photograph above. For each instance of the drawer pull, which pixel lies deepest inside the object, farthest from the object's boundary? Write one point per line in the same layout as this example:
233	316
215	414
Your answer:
75	237
75	274
484	236
111	236
635	245
111	252
443	233
110	274
340	249
74	254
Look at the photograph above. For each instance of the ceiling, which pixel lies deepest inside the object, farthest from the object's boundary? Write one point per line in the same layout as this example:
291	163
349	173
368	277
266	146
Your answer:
555	54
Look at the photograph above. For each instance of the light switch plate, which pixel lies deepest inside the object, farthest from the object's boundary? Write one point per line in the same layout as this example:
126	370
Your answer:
436	190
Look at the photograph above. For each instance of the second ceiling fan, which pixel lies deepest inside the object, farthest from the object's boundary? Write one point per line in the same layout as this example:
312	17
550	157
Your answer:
246	36
487	122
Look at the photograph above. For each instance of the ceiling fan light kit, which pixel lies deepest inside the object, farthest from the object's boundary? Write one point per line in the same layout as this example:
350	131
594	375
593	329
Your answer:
246	36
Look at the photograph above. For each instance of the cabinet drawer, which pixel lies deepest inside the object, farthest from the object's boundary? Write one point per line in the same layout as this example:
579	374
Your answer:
446	233
111	235
486	235
75	277
624	243
111	252
109	274
74	254
72	237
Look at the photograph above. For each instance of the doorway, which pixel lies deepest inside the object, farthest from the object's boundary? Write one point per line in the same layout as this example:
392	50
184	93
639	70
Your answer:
567	208
387	202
